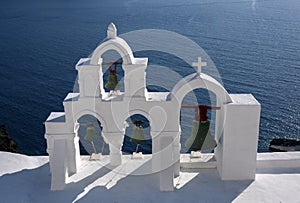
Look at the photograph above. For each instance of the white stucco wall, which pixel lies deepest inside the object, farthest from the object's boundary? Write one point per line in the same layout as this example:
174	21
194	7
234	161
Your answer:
237	122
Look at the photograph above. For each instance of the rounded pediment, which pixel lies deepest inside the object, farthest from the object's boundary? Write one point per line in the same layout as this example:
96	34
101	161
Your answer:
195	81
113	42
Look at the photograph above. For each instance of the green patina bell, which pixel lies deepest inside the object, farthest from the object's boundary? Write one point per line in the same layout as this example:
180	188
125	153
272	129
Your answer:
90	134
138	135
112	82
200	138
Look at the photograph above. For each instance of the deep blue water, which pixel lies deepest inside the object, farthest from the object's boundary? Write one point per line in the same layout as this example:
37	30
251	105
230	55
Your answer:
255	44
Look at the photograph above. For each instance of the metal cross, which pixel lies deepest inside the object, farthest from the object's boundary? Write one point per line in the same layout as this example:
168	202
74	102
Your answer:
199	64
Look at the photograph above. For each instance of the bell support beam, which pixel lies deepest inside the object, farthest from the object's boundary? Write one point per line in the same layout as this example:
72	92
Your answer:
201	111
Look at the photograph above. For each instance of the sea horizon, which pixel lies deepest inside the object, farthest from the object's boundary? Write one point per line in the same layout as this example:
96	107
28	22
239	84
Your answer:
255	46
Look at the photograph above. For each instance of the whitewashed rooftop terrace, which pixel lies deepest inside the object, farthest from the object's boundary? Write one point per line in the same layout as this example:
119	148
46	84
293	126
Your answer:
27	179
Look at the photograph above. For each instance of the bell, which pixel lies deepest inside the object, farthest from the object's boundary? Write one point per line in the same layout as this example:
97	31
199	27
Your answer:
200	138
91	136
112	82
137	135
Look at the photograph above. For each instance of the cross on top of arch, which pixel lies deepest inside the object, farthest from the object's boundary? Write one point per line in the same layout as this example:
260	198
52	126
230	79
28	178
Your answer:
199	64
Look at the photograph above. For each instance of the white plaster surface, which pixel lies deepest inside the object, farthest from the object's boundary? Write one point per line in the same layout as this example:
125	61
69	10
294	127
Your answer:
27	179
278	160
238	116
240	138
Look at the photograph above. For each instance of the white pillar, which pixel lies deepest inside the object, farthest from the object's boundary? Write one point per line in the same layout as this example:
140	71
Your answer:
167	163
176	154
73	156
240	138
63	149
155	151
115	141
89	78
58	165
64	157
219	127
135	79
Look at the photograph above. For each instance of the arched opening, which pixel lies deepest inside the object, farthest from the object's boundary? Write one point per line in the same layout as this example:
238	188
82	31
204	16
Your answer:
88	124
117	44
192	128
113	73
137	135
196	81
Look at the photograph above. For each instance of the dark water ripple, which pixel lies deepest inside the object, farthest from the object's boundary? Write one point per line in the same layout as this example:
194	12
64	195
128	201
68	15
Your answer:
255	45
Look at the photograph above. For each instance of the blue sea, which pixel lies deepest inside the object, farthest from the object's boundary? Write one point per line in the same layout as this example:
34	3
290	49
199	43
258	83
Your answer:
255	45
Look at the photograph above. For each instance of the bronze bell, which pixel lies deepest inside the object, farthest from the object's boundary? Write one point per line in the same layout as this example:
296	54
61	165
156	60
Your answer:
137	135
200	138
112	82
90	135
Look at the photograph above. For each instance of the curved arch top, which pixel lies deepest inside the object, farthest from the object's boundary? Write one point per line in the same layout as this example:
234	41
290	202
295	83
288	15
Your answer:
118	44
195	81
136	111
92	113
